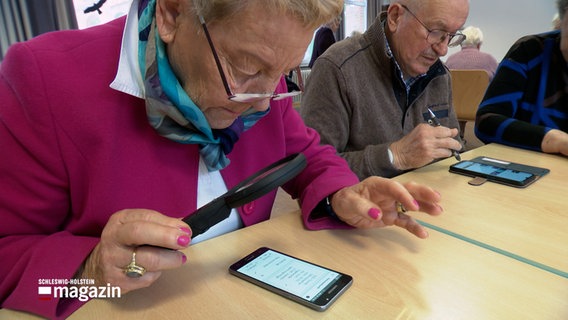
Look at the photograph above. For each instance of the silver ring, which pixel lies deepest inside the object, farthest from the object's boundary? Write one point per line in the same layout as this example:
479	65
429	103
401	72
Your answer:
400	209
132	270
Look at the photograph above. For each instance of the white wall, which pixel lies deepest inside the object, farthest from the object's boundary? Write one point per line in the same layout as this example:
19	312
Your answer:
504	21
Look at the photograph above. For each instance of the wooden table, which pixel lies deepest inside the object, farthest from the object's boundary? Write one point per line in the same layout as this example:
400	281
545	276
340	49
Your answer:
396	275
531	223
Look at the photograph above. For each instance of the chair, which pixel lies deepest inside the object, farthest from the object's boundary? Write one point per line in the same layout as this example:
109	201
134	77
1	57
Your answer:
301	81
468	89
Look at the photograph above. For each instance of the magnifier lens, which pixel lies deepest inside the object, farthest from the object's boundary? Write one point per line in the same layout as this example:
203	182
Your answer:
249	190
258	177
266	180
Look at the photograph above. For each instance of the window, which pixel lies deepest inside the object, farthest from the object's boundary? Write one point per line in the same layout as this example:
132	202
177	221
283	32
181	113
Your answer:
354	17
101	13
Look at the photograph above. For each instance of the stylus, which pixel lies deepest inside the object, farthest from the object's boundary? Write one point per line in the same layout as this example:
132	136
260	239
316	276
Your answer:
433	121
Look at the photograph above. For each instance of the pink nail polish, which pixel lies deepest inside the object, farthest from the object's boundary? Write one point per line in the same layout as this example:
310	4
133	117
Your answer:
186	230
374	213
416	203
183	258
183	240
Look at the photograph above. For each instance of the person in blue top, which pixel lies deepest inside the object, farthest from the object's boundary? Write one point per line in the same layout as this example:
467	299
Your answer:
526	104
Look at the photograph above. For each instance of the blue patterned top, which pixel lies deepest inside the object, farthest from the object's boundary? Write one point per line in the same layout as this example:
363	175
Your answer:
528	96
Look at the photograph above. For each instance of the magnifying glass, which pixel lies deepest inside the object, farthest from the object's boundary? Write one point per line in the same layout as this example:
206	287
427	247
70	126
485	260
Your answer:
248	190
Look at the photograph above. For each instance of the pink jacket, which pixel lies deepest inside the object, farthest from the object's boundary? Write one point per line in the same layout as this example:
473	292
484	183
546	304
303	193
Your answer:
74	151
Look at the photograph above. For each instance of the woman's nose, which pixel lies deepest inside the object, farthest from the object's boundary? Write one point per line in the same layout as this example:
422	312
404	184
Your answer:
266	85
260	105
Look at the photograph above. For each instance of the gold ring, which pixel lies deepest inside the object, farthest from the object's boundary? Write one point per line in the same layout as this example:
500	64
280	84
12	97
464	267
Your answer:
132	270
400	208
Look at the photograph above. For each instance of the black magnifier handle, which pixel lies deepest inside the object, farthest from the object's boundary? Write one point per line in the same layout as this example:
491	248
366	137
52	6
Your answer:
247	191
208	216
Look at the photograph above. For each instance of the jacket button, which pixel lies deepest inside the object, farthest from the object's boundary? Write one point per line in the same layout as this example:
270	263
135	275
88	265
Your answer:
249	208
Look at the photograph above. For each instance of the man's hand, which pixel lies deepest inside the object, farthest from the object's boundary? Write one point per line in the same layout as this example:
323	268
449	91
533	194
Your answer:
423	145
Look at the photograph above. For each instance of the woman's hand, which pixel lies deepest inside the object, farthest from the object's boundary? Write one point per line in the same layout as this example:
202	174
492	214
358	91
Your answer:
155	238
372	203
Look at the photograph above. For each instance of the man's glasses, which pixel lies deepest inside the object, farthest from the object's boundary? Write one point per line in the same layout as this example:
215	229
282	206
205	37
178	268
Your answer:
242	97
439	36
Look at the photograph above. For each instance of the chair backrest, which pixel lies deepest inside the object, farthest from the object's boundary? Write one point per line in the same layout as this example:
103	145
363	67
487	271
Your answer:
296	100
468	89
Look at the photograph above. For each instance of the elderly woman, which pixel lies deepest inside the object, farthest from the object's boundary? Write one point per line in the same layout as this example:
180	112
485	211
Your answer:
111	134
526	104
470	56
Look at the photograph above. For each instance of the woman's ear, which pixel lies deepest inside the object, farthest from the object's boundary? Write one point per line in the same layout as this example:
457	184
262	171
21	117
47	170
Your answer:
167	12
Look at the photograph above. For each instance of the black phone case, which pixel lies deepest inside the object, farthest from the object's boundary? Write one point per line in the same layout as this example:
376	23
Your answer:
537	172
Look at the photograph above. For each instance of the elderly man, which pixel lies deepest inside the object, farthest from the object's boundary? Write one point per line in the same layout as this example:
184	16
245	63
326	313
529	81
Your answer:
369	95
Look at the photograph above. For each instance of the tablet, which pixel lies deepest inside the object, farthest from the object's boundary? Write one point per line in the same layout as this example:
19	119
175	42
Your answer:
500	171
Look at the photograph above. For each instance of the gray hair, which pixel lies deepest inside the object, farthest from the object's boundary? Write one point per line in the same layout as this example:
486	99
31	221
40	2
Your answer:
311	13
473	37
562	5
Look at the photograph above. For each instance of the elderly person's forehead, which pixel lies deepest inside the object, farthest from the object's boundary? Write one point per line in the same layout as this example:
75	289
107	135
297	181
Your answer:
433	5
311	13
423	4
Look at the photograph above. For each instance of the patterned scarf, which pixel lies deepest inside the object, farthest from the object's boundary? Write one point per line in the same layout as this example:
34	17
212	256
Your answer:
170	110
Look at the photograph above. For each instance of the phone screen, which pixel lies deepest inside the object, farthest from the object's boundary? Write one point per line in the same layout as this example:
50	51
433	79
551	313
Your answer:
489	170
314	285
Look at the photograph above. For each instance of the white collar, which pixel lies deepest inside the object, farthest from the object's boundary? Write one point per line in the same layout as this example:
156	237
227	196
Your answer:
128	77
129	80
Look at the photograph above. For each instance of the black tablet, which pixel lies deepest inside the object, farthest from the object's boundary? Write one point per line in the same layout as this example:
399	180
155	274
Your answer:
500	171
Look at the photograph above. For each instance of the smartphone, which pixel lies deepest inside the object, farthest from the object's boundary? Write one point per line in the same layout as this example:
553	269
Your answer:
309	284
500	171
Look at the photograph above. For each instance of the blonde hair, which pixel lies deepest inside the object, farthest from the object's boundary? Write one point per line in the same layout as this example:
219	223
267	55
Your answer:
311	13
473	37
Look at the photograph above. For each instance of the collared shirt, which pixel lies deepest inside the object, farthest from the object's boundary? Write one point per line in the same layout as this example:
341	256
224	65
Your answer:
413	86
407	82
129	80
128	76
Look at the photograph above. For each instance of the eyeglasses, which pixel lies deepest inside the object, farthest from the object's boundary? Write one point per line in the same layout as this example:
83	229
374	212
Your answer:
242	97
439	36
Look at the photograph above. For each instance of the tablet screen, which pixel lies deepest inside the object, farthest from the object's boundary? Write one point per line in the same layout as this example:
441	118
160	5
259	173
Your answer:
490	170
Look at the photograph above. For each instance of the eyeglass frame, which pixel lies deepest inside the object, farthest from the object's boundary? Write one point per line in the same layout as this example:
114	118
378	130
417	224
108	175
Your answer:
242	97
447	35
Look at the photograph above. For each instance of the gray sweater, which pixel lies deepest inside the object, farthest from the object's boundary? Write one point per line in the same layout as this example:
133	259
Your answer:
359	105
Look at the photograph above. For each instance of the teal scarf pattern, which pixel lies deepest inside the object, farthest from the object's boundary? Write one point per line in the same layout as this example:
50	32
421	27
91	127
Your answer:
169	109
